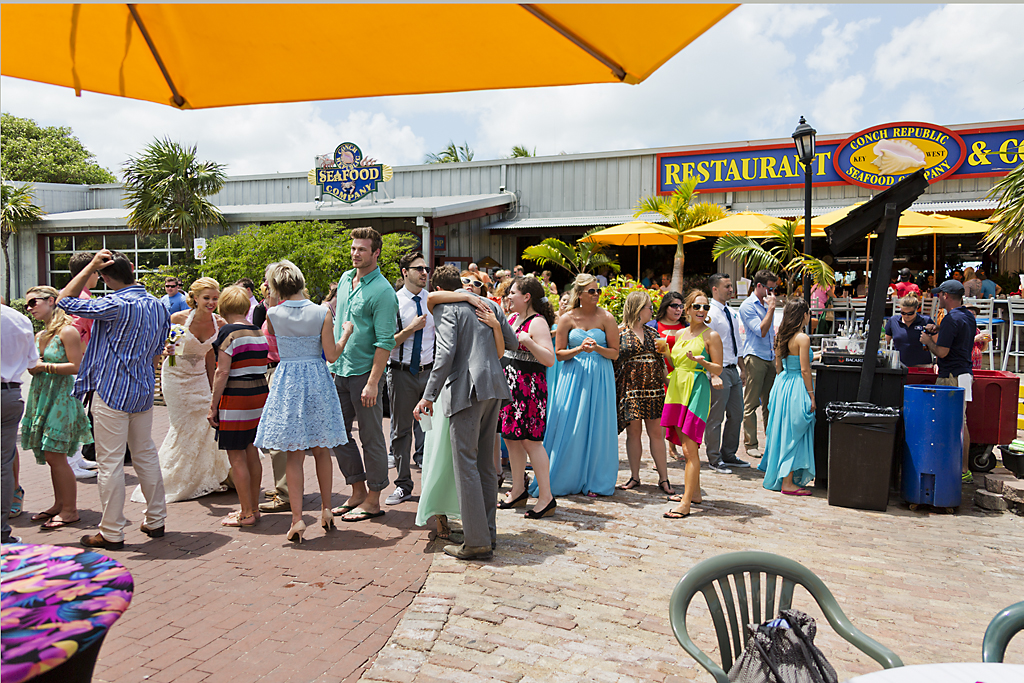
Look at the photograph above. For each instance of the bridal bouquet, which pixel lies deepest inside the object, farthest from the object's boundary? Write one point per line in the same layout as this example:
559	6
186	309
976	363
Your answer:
176	333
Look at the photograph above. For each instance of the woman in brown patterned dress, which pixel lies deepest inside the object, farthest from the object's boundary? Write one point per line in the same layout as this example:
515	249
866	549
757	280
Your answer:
640	388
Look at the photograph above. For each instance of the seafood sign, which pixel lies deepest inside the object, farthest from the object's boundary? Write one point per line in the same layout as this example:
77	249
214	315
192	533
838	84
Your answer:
880	157
349	176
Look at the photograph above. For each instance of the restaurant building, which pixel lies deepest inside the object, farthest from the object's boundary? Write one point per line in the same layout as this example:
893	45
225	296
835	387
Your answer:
465	212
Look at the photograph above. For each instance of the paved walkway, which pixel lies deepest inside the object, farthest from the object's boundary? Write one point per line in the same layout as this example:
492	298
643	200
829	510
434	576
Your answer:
580	596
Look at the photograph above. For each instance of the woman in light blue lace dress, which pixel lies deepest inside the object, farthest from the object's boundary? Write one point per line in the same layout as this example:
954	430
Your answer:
302	412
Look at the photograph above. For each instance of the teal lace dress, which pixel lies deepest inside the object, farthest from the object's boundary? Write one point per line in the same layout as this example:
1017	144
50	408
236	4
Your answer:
54	421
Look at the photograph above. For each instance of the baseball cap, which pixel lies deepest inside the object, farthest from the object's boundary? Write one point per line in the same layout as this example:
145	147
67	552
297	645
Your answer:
950	287
905	272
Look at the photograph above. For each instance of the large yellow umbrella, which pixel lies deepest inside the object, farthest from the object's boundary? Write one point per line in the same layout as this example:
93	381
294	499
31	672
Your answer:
198	55
746	223
639	234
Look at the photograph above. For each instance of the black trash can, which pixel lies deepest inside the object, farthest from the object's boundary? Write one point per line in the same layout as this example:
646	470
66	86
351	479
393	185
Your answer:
862	442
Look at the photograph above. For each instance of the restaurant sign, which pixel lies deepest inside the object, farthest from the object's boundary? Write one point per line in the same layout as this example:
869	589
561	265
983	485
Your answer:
349	176
875	158
880	157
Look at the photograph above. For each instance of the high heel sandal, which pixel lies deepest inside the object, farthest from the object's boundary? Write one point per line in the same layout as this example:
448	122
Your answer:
295	531
519	502
548	510
327	519
443	529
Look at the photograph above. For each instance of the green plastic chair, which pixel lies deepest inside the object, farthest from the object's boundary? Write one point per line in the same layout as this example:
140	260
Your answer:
1003	627
743	606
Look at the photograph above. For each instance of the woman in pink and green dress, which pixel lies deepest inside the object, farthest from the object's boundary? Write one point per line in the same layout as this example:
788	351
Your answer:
697	361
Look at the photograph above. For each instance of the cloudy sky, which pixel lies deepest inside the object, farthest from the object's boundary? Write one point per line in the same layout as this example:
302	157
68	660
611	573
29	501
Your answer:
844	67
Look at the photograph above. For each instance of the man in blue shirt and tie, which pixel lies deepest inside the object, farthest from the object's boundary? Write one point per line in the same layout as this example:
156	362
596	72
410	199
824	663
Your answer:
727	388
757	313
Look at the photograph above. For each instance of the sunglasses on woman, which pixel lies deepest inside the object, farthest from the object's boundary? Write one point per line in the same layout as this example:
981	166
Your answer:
698	307
475	283
676	306
593	290
31	303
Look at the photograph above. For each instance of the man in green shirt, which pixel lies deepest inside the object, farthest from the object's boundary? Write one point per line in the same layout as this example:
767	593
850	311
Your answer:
367	300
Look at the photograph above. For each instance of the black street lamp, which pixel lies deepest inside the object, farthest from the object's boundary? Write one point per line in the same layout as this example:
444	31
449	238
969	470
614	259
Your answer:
803	138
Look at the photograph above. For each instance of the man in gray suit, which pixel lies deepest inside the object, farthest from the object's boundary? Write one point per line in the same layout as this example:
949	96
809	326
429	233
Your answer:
465	358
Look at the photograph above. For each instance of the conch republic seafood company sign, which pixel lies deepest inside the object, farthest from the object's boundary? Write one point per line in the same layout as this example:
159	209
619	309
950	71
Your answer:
876	158
350	176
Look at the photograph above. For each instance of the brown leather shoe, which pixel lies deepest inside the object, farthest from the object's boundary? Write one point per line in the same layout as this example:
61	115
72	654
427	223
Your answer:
98	541
152	533
464	552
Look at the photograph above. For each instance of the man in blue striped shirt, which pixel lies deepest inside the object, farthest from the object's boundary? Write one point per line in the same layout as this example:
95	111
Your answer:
130	331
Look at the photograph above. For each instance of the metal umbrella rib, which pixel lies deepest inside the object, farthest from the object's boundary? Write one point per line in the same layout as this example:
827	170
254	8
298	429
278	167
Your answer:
617	70
177	99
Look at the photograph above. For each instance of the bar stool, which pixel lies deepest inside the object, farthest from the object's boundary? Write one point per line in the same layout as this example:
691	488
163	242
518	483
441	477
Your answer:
1016	315
986	320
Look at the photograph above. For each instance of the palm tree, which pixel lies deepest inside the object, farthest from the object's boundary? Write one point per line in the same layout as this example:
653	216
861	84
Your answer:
586	257
452	154
166	188
681	217
1008	229
520	151
17	211
777	253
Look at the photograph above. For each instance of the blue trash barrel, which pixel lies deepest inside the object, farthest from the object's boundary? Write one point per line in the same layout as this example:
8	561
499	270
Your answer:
933	444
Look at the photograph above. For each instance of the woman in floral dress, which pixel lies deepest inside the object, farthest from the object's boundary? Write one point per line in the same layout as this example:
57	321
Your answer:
640	388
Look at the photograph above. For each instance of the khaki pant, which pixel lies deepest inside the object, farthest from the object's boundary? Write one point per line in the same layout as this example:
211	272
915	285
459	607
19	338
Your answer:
757	387
112	429
951	381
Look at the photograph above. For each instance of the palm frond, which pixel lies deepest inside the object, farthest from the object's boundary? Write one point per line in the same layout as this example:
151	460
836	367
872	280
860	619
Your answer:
653	204
1008	230
745	250
821	273
18	208
546	253
702	214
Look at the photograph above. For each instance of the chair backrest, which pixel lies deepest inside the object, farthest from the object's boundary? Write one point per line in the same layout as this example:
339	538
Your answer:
1015	308
984	306
928	305
749	588
1005	625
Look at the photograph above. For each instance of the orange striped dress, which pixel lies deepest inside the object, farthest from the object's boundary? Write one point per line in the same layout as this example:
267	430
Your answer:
241	405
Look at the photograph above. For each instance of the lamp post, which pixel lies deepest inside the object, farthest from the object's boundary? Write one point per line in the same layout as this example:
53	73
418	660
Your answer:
803	138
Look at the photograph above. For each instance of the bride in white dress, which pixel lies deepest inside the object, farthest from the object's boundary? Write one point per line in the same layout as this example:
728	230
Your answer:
191	464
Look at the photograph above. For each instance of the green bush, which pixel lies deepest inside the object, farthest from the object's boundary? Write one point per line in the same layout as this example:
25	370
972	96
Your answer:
19	306
613	297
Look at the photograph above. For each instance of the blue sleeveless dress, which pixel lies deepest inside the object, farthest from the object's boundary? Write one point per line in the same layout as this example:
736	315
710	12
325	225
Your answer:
790	429
302	410
581	437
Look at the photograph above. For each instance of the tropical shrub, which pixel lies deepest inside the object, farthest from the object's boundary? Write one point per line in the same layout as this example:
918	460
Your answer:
613	297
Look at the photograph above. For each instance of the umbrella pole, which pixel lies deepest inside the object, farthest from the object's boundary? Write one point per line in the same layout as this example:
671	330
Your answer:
867	258
935	259
638	277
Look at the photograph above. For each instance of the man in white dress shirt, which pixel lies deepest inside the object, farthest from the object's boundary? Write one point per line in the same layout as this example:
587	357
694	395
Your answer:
727	398
19	354
409	367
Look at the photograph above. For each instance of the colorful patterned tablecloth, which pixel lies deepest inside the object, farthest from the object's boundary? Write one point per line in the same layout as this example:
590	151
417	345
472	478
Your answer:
56	602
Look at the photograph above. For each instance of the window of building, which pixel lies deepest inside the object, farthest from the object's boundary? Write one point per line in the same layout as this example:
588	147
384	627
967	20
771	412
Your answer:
148	253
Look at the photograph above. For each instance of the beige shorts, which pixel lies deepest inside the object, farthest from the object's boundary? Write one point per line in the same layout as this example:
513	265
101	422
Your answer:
964	381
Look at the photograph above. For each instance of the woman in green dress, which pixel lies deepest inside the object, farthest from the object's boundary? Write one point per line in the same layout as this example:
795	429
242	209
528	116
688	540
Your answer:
55	424
696	356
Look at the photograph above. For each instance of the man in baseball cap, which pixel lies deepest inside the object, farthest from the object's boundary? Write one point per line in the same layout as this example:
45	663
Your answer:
905	287
952	347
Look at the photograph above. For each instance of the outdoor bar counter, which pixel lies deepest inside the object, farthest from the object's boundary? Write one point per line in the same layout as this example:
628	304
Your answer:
839	383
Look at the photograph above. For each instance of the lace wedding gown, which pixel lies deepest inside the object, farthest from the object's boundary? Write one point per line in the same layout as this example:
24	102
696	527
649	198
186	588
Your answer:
191	464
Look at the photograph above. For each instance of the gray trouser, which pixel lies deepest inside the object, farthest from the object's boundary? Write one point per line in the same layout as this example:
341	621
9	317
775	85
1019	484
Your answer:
756	390
374	471
11	408
473	432
418	438
278	459
727	404
406	390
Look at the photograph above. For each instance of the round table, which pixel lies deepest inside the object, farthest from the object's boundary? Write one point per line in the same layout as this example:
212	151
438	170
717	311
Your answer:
57	605
959	672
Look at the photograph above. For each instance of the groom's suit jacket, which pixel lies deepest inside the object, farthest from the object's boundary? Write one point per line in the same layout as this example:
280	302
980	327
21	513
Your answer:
465	357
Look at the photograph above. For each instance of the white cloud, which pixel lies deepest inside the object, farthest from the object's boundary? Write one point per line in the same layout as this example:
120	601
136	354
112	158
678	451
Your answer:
838	107
836	45
971	53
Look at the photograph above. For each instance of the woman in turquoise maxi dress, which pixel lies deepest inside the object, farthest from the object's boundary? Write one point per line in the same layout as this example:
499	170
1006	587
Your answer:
788	461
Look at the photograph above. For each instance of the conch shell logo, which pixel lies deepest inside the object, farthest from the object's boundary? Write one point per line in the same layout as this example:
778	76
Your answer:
893	157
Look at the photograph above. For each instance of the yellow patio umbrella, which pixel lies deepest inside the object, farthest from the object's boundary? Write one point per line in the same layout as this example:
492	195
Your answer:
639	234
746	223
198	55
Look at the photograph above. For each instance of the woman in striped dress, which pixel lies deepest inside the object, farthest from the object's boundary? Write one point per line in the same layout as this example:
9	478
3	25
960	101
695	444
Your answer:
239	392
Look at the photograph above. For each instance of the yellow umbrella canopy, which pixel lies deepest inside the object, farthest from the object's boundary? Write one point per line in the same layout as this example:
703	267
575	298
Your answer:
199	55
746	223
638	234
912	223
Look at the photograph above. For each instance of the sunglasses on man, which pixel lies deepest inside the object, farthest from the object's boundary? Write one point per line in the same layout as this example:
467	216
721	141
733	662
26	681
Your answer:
475	283
422	269
170	286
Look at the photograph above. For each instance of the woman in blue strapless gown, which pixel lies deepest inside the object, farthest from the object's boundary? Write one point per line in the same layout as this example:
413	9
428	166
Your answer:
581	436
788	462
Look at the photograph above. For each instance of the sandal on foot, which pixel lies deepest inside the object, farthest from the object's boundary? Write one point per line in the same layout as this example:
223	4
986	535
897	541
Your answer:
43	516
236	520
55	523
666	486
630	484
343	510
672	514
443	529
17	501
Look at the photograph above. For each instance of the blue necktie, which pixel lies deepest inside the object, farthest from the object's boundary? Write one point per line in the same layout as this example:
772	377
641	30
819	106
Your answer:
417	342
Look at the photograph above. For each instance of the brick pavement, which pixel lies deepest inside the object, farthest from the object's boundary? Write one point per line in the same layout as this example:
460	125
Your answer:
580	596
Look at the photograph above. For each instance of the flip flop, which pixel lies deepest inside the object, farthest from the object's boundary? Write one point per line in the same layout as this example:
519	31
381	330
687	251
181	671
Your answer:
798	492
58	523
362	515
43	516
627	487
672	514
343	510
678	498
